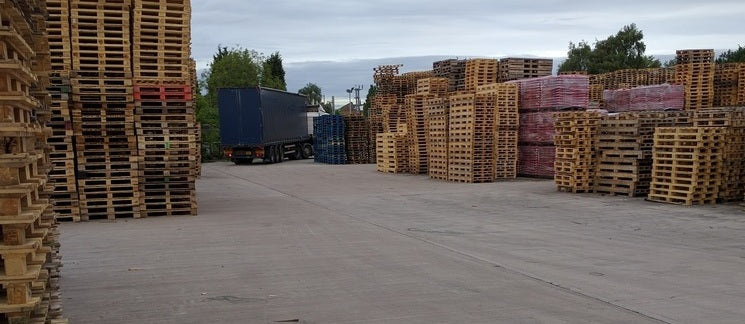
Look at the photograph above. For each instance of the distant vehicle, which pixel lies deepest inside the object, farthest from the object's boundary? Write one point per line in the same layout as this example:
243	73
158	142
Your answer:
263	123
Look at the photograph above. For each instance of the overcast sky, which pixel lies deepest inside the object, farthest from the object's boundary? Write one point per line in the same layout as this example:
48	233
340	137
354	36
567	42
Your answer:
324	30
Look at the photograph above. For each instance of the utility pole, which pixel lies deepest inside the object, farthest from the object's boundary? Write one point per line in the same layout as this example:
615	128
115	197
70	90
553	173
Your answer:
358	103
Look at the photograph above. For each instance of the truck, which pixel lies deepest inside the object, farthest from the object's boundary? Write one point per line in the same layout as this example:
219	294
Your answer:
263	123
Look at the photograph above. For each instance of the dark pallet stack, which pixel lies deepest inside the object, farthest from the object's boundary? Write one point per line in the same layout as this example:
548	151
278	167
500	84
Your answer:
103	109
471	138
30	243
506	127
357	140
687	165
452	69
481	72
515	68
624	150
166	139
328	139
575	140
695	72
438	113
726	85
732	119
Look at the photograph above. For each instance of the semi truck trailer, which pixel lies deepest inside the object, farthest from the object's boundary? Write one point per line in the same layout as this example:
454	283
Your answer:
263	123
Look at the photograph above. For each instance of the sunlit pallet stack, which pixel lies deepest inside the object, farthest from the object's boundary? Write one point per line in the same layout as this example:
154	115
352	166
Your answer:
506	127
687	165
416	120
471	138
29	232
103	109
437	137
575	140
695	71
481	72
624	150
733	156
392	151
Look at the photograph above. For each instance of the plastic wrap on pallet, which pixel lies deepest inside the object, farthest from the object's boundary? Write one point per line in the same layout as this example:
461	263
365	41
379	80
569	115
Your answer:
536	160
554	92
648	98
536	127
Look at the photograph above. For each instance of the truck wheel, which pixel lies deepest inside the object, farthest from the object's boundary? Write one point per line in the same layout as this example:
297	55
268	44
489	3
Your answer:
280	153
298	154
269	154
307	151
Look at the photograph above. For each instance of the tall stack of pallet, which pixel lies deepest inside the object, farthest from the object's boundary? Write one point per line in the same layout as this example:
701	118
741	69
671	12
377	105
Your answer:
357	140
164	107
471	138
454	70
62	176
438	113
392	151
726	83
576	135
624	150
732	119
328	135
103	109
30	263
506	127
514	68
687	165
416	120
695	71
481	72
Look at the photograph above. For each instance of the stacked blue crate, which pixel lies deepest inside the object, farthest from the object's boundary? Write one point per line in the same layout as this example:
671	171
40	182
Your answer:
328	133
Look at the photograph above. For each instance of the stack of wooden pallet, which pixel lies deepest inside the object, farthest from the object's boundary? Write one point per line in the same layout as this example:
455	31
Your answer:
417	131
687	165
392	151
103	109
626	79
30	242
514	68
166	139
506	129
471	138
695	71
727	83
454	70
733	156
481	72
437	137
357	140
575	140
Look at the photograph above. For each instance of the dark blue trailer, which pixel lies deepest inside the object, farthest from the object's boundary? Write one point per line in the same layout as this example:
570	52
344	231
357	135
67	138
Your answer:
263	123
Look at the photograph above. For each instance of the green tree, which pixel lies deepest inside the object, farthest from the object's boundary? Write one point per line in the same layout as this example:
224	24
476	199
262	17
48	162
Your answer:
273	74
624	50
670	63
313	92
369	99
731	56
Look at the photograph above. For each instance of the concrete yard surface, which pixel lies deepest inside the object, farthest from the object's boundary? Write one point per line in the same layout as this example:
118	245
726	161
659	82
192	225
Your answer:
311	243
